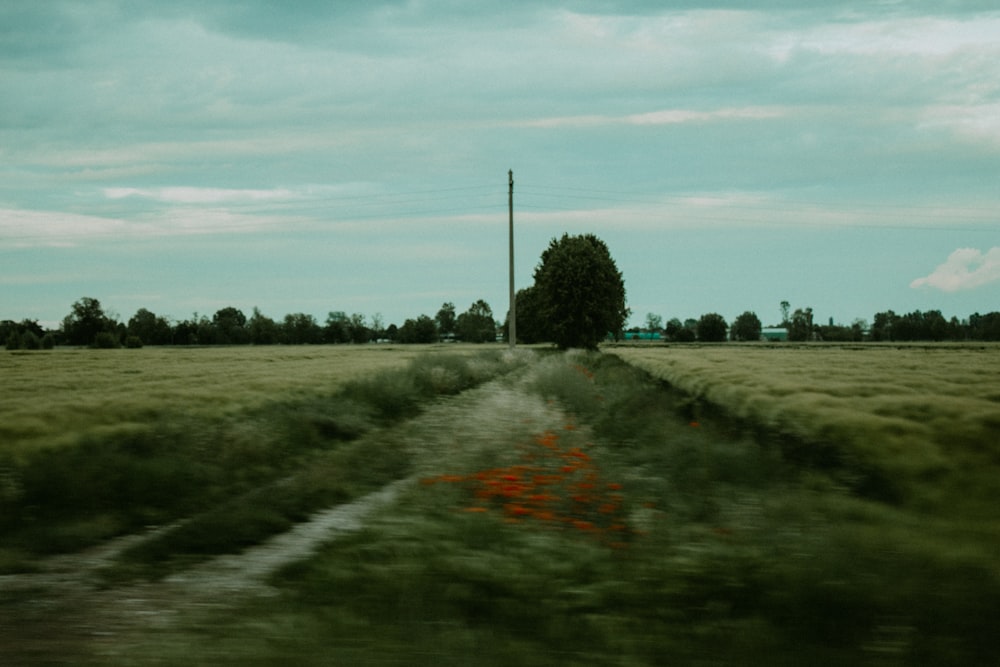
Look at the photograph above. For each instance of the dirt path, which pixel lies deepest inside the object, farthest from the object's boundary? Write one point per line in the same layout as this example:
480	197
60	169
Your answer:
62	610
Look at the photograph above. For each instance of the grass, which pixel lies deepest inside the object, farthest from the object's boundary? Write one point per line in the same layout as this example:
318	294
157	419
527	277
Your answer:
246	468
729	553
896	415
55	398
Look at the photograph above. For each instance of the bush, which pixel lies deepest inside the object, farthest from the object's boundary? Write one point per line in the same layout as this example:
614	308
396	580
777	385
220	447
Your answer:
105	341
133	342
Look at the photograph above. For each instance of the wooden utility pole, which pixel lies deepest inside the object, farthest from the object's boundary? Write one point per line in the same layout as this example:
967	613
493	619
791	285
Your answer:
512	323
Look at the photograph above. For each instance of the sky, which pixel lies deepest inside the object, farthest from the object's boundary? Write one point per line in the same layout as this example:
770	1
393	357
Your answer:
319	156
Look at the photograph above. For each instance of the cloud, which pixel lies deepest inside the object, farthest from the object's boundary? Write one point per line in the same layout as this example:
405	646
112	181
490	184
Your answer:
965	269
662	117
193	195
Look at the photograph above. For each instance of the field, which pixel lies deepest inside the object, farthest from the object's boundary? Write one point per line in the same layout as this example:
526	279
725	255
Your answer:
697	505
54	397
898	416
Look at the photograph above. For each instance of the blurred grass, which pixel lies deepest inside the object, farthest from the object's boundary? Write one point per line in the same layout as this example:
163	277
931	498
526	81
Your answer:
55	398
238	475
737	556
898	416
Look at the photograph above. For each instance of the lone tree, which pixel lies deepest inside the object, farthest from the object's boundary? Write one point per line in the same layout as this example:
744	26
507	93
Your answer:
581	292
712	328
746	327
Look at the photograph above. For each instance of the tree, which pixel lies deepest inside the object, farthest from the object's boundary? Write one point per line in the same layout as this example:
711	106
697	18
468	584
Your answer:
445	319
712	328
86	320
261	329
476	325
360	333
582	293
530	322
149	328
800	327
301	329
654	323
785	307
421	330
338	327
229	324
377	326
746	327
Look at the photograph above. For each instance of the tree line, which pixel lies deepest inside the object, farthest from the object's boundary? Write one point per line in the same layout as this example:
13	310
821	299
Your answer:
89	325
577	300
799	325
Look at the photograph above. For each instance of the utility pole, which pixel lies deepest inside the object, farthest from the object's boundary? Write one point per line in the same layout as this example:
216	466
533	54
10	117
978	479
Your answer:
512	323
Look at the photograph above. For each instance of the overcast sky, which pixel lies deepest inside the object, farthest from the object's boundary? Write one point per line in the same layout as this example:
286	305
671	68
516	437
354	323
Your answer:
318	156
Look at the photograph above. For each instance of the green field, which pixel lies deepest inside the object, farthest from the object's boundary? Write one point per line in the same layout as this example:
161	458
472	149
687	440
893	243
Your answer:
55	397
698	505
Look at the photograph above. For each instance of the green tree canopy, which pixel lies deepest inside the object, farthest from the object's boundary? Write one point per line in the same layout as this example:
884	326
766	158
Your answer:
476	325
581	291
86	320
530	319
445	319
746	327
712	328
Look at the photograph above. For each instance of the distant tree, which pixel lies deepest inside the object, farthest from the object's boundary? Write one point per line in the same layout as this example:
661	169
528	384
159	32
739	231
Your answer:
421	330
800	327
376	328
301	329
338	327
86	320
445	319
746	327
24	335
581	291
785	308
476	325
883	326
712	328
186	332
984	327
149	328
261	329
392	332
360	333
654	323
230	327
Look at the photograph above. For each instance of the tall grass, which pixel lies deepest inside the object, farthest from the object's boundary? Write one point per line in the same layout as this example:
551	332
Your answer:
896	415
52	399
734	556
245	472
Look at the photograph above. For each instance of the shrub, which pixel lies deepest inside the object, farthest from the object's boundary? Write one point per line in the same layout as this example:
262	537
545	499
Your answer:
105	341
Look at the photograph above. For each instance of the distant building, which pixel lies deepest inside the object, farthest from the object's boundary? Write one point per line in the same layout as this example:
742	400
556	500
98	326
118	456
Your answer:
774	334
642	335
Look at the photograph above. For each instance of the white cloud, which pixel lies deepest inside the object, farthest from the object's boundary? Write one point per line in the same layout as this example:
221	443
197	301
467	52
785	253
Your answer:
662	117
966	268
192	195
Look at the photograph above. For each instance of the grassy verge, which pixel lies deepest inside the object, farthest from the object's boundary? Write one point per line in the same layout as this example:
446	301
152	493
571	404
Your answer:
626	533
241	476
